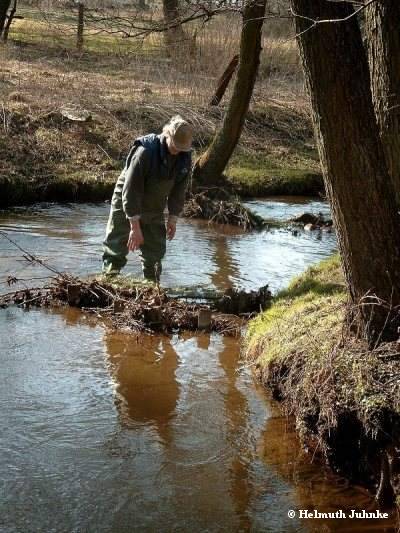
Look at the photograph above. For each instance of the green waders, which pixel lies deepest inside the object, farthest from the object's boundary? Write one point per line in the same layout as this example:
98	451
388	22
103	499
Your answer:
115	245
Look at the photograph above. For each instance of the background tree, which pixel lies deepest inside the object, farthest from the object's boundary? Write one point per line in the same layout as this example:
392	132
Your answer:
383	37
174	33
210	166
357	182
4	7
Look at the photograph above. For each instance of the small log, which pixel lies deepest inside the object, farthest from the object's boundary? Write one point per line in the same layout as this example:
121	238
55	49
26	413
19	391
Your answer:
152	315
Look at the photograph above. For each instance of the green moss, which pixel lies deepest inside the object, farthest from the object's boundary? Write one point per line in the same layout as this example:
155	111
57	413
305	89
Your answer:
335	387
323	279
261	173
310	308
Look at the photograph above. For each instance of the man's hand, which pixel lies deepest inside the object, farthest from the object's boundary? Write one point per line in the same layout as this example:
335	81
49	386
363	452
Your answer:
136	239
171	228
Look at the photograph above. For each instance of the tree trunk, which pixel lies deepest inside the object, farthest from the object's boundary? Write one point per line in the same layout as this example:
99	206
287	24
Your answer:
383	37
4	6
356	179
175	37
81	24
10	18
210	166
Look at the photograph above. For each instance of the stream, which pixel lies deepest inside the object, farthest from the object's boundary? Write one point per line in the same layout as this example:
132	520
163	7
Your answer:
108	431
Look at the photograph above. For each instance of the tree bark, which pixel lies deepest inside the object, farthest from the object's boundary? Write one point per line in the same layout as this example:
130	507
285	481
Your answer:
175	37
209	167
224	80
10	18
356	179
383	38
4	6
81	24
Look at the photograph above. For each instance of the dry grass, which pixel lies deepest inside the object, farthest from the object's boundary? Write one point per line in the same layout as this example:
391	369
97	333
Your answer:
131	87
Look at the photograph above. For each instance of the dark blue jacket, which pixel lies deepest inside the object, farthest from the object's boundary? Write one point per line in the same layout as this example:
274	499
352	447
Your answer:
151	179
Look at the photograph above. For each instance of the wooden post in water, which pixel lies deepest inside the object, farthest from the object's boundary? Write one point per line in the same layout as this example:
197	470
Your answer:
204	319
81	23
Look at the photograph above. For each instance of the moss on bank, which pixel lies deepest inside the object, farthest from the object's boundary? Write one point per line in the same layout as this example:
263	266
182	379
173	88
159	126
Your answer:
263	173
345	398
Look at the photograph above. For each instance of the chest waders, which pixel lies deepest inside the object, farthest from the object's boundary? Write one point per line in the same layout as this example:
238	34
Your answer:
157	187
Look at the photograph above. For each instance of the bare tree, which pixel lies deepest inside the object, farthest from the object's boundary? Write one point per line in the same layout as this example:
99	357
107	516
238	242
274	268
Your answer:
383	37
4	7
9	20
175	36
357	182
210	166
81	24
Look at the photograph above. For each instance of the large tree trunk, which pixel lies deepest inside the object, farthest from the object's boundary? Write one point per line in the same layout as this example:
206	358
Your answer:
357	182
383	37
4	6
210	166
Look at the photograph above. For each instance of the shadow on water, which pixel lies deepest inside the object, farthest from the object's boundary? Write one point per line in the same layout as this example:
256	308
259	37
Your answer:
237	416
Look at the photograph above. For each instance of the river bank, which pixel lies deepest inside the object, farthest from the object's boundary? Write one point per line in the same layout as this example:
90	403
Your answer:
47	156
344	397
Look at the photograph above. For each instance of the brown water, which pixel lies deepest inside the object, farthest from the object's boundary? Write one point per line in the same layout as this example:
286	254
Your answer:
105	431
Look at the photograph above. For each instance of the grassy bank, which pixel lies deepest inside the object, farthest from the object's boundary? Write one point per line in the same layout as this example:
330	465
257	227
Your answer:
345	399
130	88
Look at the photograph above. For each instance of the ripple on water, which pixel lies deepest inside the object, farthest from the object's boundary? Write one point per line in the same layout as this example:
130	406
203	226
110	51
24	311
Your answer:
70	239
101	432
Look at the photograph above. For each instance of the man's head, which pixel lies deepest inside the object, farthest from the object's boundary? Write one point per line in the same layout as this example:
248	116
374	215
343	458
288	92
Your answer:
179	135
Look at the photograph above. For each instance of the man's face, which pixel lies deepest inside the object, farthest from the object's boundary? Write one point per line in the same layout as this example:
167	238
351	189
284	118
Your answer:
171	148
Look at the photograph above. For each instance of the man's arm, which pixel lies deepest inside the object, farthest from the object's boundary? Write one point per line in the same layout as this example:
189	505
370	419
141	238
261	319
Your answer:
133	189
132	195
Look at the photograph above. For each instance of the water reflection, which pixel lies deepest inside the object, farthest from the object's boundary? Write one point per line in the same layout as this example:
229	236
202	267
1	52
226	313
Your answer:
313	485
144	373
158	435
226	268
237	419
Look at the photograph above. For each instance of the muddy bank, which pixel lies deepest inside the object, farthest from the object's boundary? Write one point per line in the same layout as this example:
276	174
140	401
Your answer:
344	397
21	190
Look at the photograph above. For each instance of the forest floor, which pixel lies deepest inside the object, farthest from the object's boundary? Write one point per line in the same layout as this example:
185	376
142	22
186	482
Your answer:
344	397
128	93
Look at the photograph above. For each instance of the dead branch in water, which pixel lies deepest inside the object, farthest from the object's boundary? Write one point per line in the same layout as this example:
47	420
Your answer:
220	207
143	307
139	306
